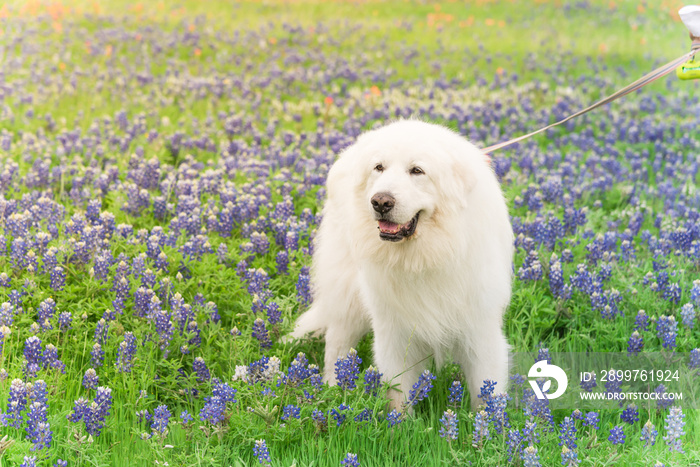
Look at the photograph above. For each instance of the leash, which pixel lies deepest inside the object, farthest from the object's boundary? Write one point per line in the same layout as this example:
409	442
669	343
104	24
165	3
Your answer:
660	72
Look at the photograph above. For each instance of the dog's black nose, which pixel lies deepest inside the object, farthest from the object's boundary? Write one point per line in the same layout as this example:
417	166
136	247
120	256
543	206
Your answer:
383	202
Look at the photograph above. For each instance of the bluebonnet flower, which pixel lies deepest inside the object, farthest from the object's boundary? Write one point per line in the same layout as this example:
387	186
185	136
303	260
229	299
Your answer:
257	370
649	434
33	355
261	334
557	286
569	457
94	413
58	279
364	416
531	269
496	409
486	391
592	419
456	394
567	433
347	370
641	322
350	460
530	457
514	444
688	315
612	385
694	361
674	429
258	282
695	292
627	252
29	461
97	355
38	392
274	314
373	379
101	331
315	379
319	419
65	321
537	407
672	293
543	354
90	379
481	429
630	414
290	411
666	331
567	256
46	312
126	353
582	280
394	418
338	414
449	429
199	367
214	409
298	371
617	435
421	388
282	261
291	241
186	418
258	305
635	344
262	452
16	403
303	286
159	423
7	314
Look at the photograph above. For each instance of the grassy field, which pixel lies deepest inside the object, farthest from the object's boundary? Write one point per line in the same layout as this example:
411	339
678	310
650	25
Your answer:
162	169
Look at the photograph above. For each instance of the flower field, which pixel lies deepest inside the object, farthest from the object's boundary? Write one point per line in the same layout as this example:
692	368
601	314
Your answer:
162	171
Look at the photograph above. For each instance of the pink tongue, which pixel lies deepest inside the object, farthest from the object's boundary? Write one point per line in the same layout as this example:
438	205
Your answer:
389	227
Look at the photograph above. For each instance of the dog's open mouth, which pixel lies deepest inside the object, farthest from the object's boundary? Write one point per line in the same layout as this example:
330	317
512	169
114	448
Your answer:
393	232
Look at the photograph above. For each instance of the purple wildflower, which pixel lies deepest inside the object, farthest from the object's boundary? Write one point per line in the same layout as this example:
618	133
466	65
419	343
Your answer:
630	414
262	452
347	370
126	353
449	429
373	379
350	460
421	388
617	435
90	379
674	429
649	434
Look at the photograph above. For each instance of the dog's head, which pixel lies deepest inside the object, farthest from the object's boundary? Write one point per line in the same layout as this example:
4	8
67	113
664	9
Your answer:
411	178
413	195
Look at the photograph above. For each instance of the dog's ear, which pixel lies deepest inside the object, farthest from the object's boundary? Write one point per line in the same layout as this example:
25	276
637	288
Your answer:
464	174
344	172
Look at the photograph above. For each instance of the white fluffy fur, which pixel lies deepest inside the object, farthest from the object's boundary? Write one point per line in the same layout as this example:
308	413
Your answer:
441	292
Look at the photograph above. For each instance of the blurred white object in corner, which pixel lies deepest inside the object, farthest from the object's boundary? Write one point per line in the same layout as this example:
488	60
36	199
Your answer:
691	18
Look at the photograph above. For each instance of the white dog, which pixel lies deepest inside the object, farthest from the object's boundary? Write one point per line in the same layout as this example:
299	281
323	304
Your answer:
416	245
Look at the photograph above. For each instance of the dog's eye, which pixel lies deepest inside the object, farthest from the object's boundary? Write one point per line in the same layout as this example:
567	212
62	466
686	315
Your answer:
379	168
416	171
